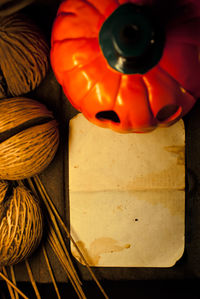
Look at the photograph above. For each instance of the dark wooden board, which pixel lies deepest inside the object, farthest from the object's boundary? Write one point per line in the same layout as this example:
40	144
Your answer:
55	179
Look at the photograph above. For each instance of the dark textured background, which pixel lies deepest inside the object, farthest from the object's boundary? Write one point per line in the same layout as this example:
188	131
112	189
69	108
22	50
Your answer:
180	280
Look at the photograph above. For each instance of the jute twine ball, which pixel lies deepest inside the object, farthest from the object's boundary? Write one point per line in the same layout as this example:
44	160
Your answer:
24	55
29	138
21	224
8	7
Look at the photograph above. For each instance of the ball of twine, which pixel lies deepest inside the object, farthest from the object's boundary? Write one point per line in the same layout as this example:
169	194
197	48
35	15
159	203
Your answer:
21	224
29	138
24	55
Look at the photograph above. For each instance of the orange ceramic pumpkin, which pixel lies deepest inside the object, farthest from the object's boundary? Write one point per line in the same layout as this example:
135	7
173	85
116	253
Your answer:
128	65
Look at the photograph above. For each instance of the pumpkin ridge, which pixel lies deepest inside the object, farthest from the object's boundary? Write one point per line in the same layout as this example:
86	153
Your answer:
92	5
104	13
63	9
64	14
81	66
186	97
72	19
87	94
117	92
74	39
92	88
174	79
147	96
61	42
87	63
129	126
147	87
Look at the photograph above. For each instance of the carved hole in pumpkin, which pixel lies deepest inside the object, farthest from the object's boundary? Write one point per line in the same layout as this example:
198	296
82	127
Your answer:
108	115
169	113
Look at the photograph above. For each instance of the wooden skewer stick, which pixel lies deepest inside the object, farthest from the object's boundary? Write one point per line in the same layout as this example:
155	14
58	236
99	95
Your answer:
57	243
57	248
51	206
12	295
32	280
51	271
13	285
14	280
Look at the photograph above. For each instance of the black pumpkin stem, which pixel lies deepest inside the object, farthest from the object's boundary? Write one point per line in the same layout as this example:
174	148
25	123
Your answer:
131	39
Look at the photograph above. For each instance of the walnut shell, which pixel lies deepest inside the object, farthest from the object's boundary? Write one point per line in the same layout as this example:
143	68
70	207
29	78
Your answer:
21	225
29	138
24	56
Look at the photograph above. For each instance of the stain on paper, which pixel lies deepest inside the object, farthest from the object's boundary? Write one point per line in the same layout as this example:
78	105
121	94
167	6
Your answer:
96	249
179	151
171	178
120	208
163	199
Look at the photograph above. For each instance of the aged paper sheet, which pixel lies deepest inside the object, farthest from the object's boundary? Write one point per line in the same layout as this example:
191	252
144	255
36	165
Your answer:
127	197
